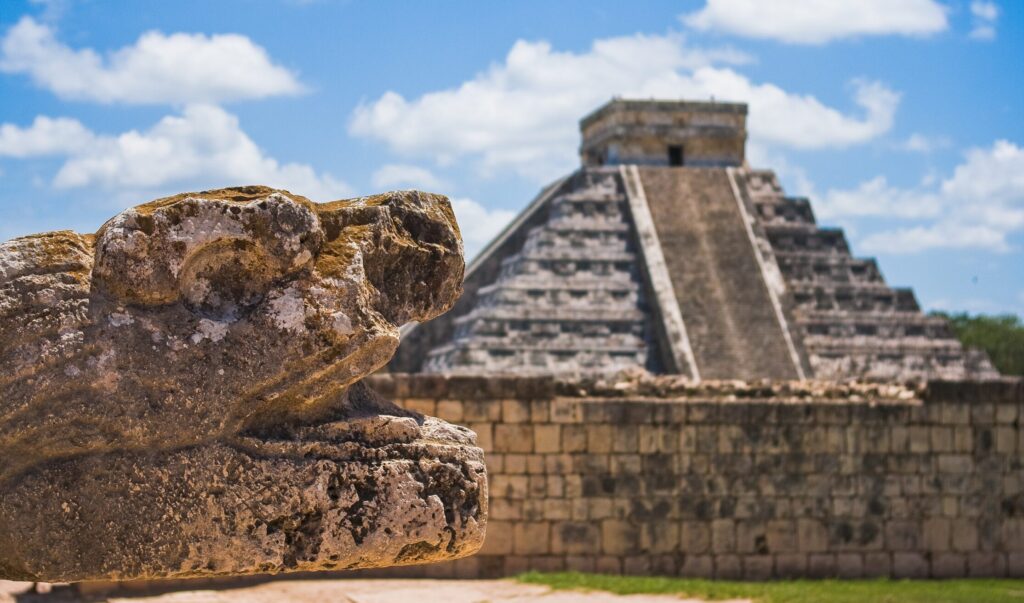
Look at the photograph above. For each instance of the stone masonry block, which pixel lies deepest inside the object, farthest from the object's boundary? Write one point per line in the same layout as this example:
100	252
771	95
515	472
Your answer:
849	565
909	565
920	439
625	438
728	567
609	564
1012	535
515	464
877	565
697	566
575	538
547	439
599	439
504	508
509	486
1015	565
750	537
481	410
484	435
659	537
574	438
781	535
1006	440
557	509
965	536
902	535
540	411
586	563
723	536
566	411
421	405
986	565
499	538
694	537
821	565
619	537
790	565
758	567
531	538
937	533
949	565
513	438
450	410
515	411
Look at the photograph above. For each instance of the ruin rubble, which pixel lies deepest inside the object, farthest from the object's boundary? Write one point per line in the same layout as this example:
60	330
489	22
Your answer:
181	391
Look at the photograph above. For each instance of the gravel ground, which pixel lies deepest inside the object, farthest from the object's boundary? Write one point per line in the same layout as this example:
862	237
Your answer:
358	591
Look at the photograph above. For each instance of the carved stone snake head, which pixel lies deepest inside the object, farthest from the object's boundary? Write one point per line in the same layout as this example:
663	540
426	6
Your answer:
207	314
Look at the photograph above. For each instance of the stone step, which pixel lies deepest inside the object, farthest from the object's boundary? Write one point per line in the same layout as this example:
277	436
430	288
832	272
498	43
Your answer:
721	291
788	238
784	210
554	313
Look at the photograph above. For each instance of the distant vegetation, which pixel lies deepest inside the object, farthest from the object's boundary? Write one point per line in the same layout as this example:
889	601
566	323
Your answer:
795	591
1001	336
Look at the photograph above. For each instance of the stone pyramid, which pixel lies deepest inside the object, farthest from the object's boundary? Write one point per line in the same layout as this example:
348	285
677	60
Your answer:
665	251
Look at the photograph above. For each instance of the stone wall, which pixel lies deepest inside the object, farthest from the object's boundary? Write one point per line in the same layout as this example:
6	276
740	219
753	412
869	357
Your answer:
740	482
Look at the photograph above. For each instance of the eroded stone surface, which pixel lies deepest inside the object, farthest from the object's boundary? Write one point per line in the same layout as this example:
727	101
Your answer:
178	392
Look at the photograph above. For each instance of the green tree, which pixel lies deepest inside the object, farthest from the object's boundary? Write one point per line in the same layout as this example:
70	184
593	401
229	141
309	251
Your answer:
1001	336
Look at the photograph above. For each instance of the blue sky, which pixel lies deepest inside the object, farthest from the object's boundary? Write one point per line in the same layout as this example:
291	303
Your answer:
901	119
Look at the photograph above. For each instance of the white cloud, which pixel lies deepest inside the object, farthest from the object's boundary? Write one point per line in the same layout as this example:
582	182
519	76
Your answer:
941	235
978	207
522	113
52	9
792	177
399	175
156	69
46	136
876	197
985	14
203	147
478	224
819	21
919	143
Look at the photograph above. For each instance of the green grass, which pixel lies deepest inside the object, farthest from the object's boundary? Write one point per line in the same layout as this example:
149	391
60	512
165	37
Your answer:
794	591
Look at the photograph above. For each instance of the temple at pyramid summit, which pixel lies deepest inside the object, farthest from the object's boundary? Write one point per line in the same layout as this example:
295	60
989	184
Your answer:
666	251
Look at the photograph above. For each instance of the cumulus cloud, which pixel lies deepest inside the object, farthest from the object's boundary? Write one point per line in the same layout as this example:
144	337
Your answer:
203	147
794	177
521	114
979	206
46	136
985	14
400	175
52	9
919	143
876	197
156	69
819	21
479	225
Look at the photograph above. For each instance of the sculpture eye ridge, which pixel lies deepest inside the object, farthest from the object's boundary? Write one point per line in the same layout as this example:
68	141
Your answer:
217	256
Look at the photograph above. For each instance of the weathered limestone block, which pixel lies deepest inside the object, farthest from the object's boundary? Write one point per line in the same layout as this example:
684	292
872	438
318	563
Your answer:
180	392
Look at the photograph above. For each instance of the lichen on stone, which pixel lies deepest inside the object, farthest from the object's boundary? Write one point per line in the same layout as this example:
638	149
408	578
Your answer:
181	394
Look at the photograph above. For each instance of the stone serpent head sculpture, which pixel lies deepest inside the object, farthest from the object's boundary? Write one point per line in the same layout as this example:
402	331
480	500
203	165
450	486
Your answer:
180	392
